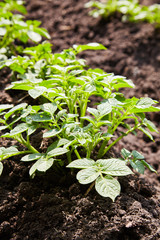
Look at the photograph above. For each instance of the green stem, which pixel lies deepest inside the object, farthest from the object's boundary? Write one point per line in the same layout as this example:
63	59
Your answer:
119	138
112	144
100	154
89	189
77	154
83	108
88	154
102	148
69	157
26	143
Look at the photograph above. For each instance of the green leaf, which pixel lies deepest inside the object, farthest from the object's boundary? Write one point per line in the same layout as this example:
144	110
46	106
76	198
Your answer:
81	163
150	125
14	109
1	168
122	83
20	86
19	129
90	46
89	119
108	187
35	37
43	32
61	114
49	108
125	153
146	133
8	152
102	123
44	164
145	103
88	175
41	117
41	165
51	133
5	106
32	77
36	92
31	157
138	166
141	115
137	155
57	152
104	109
143	110
113	166
93	111
148	166
3	127
32	128
58	143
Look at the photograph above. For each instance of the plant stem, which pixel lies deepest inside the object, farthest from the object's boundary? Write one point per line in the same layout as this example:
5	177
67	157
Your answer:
100	154
102	148
89	189
15	154
69	157
83	109
27	144
77	154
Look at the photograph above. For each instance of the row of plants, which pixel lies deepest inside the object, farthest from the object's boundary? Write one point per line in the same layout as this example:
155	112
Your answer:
80	135
131	10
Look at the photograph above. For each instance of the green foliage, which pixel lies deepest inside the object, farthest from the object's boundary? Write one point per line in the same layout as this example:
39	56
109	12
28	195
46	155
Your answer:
136	160
13	28
130	9
101	172
63	84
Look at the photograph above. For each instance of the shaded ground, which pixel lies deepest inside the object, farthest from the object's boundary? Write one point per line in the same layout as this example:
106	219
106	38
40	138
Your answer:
39	208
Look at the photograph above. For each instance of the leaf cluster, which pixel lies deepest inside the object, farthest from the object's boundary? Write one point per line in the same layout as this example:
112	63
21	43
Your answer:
64	84
130	9
13	27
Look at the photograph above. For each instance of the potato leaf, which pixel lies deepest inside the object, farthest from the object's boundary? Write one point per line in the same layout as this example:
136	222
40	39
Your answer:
108	187
89	46
88	175
49	107
113	167
81	163
138	166
57	152
31	157
51	133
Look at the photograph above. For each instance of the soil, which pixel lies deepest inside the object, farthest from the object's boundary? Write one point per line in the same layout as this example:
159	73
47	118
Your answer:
52	207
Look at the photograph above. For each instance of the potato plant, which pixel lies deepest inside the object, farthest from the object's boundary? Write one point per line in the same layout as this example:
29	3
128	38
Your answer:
13	27
131	10
80	135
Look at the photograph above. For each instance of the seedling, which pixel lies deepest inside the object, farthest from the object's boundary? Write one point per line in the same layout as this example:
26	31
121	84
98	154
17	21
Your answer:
81	136
131	10
13	28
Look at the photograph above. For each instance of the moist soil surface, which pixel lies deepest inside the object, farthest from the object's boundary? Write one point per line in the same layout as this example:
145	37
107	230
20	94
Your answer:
54	207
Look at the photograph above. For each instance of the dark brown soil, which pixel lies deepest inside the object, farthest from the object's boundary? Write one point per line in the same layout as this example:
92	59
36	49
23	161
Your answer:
49	207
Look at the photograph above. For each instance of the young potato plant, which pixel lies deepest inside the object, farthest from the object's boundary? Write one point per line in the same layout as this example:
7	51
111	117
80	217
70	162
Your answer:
130	9
80	135
13	28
